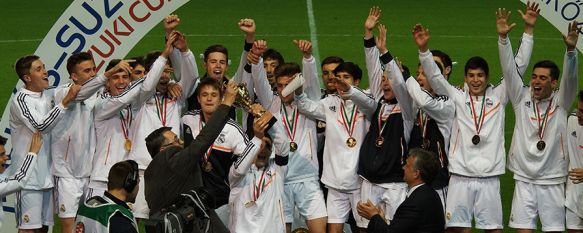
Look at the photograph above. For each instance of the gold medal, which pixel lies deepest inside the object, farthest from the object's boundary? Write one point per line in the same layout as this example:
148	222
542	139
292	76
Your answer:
249	204
379	142
207	166
351	142
128	145
293	146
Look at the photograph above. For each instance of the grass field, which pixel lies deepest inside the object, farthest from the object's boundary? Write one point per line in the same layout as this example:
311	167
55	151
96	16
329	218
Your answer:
461	28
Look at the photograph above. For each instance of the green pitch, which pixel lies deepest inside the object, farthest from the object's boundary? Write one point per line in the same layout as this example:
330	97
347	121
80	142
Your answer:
461	28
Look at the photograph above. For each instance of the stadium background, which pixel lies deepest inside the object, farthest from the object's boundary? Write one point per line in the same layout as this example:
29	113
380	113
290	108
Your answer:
460	28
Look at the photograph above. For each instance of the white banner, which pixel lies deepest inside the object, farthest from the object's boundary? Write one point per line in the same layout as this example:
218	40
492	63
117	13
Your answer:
108	29
560	13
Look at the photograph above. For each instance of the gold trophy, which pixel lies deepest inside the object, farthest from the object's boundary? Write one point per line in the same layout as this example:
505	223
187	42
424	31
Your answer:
243	100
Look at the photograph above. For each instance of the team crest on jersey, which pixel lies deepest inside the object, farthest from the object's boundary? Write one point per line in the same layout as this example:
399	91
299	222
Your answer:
80	228
574	134
221	138
527	104
489	102
62	208
26	218
187	130
332	108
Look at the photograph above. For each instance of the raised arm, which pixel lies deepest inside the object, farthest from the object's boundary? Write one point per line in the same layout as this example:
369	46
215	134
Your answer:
372	53
262	88
248	27
393	72
188	70
525	49
18	181
312	109
438	108
365	102
170	23
310	71
569	82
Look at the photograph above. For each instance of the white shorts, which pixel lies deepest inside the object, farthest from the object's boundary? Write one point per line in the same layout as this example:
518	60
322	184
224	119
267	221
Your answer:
473	197
546	201
442	192
69	193
308	198
339	204
34	208
388	198
574	222
140	207
96	188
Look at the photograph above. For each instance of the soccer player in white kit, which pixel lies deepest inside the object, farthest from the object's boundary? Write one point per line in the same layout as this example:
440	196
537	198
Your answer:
302	188
256	182
346	126
574	189
537	153
16	182
113	116
476	150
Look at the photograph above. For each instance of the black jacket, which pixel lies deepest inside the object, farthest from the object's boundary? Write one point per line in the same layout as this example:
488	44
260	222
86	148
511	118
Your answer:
176	170
421	212
436	145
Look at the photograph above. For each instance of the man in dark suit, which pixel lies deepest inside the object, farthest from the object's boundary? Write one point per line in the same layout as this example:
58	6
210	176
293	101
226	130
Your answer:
422	210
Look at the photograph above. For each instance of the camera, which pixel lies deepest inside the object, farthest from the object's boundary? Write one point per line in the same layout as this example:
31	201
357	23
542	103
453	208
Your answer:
188	213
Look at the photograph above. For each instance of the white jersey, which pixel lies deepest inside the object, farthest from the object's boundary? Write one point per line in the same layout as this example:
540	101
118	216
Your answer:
113	121
345	124
255	200
574	192
159	110
530	164
17	181
300	129
73	139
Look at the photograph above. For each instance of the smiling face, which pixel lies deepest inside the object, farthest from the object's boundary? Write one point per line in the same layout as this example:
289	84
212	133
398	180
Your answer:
216	65
477	81
37	78
541	83
138	72
327	74
264	153
3	159
162	86
422	80
270	65
117	83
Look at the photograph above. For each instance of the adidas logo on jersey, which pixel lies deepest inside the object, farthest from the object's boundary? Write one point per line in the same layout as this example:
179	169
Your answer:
332	108
527	104
574	134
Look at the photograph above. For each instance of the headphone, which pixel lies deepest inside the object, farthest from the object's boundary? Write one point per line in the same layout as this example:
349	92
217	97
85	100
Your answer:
131	179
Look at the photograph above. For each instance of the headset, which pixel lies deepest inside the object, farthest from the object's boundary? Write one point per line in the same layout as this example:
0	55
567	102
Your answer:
131	179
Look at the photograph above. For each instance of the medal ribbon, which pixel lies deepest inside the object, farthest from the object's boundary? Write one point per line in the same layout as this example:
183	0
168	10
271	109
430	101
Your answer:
380	119
348	125
542	125
259	187
479	123
423	123
289	127
161	108
126	122
207	154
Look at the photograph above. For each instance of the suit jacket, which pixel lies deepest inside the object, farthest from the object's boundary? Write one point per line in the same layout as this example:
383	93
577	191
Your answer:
176	170
421	212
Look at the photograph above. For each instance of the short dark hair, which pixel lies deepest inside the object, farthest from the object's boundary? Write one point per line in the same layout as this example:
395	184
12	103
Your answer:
118	174
155	140
549	65
477	63
444	58
151	57
286	69
3	141
273	55
76	59
350	68
138	60
112	63
209	82
215	48
580	95
23	64
332	60
427	164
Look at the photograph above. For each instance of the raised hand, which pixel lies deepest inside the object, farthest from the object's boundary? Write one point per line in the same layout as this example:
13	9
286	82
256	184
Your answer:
381	40
374	14
170	23
248	27
36	142
342	87
532	13
421	36
572	36
174	90
123	65
71	94
181	43
169	44
502	26
259	47
230	93
305	46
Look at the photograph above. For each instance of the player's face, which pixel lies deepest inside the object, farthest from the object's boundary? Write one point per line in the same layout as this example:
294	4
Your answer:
117	83
209	98
387	90
422	80
3	159
264	153
270	65
327	73
580	112
541	83
348	78
477	81
138	72
162	86
83	72
410	174
446	70
216	65
282	82
37	78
